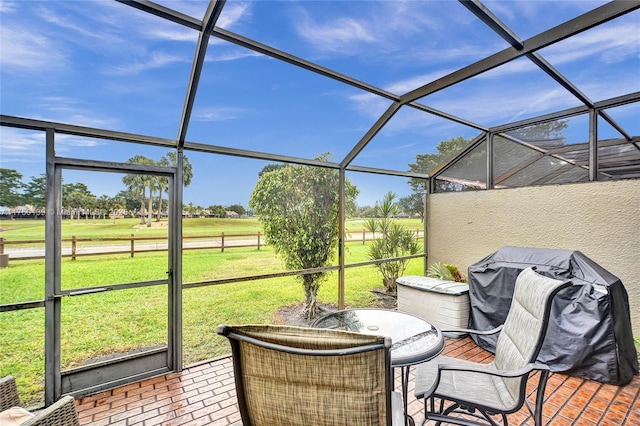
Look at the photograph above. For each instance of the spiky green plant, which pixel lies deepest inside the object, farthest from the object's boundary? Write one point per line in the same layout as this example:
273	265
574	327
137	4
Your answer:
392	240
446	271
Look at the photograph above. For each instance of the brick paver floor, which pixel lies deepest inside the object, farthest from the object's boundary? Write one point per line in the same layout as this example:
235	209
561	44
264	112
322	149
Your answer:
204	394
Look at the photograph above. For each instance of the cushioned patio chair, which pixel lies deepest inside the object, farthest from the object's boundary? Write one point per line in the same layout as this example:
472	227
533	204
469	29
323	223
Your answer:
61	413
469	393
288	375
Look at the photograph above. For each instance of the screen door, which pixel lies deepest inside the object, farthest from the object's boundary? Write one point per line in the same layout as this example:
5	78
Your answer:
113	311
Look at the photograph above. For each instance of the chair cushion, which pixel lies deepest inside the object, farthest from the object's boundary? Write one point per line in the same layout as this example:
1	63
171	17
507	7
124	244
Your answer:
481	389
14	416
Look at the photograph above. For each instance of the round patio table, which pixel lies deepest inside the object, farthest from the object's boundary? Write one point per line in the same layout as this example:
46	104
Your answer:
413	339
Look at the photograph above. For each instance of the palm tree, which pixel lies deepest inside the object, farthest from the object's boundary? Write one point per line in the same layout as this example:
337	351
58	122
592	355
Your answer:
171	160
137	183
153	182
163	185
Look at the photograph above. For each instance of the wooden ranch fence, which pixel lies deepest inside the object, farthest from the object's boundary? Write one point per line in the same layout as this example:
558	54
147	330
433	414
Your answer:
78	247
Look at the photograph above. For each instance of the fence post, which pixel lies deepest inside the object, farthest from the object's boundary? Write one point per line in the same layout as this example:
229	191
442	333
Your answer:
258	241
73	247
364	236
4	258
222	243
132	244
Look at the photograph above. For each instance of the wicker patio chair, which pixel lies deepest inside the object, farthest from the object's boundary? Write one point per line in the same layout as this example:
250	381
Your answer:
470	393
289	376
61	413
8	393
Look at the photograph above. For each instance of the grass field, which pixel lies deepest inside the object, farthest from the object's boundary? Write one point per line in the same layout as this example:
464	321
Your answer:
21	230
113	322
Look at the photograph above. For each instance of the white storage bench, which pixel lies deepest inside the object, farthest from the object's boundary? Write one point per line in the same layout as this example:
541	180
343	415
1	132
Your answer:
444	304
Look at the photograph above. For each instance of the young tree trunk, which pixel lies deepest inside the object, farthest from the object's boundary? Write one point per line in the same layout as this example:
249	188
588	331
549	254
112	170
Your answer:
311	309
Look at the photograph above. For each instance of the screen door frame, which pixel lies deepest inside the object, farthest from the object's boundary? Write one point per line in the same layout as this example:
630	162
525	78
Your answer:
139	364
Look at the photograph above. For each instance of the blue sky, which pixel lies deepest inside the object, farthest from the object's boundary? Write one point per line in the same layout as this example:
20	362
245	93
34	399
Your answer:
104	64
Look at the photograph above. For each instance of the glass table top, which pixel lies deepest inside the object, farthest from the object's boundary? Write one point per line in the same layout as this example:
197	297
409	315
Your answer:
413	339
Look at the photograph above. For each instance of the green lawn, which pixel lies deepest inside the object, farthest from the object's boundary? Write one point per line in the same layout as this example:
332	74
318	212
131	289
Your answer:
20	230
112	322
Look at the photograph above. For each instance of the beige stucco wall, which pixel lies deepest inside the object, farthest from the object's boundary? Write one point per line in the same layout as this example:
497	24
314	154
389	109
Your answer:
600	219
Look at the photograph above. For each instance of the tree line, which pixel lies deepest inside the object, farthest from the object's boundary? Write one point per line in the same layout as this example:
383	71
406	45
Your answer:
143	194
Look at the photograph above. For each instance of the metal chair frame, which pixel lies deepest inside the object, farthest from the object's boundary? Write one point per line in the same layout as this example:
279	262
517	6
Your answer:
482	412
236	338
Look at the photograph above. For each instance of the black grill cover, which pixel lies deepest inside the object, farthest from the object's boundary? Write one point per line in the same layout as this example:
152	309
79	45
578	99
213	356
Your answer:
589	332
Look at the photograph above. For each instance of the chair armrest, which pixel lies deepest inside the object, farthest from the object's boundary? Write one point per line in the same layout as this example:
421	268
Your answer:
8	393
61	413
471	331
501	373
482	370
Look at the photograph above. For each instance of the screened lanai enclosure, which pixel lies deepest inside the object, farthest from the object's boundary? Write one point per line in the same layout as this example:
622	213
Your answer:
474	109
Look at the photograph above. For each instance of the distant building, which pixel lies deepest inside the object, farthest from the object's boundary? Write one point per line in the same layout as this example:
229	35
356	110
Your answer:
21	212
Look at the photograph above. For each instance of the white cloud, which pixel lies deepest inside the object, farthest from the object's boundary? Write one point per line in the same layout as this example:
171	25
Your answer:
407	17
29	147
232	55
369	105
416	122
340	35
373	106
517	66
166	31
109	29
412	31
20	143
21	146
599	89
538	101
48	16
483	107
381	24
73	111
609	44
232	13
173	34
218	114
82	119
103	30
65	143
24	50
537	12
477	104
403	86
154	60
58	34
8	7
